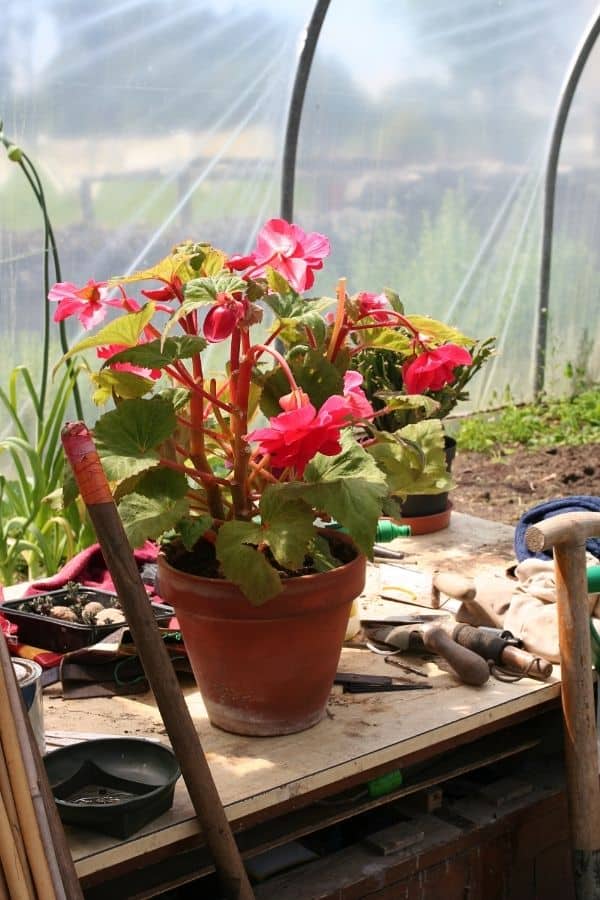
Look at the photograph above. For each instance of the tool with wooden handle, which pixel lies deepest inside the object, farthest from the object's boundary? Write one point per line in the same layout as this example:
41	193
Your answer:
500	648
93	485
567	534
469	667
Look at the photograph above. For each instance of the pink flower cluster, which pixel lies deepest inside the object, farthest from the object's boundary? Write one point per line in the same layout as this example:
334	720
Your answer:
434	369
296	435
300	431
289	250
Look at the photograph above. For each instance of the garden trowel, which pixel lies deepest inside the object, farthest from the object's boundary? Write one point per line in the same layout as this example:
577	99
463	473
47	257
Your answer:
468	666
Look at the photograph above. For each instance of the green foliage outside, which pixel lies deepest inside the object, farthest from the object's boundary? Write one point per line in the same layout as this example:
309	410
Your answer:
37	535
547	423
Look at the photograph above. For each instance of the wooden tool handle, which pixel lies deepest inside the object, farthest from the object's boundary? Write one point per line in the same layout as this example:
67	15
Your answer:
469	667
517	660
93	485
454	585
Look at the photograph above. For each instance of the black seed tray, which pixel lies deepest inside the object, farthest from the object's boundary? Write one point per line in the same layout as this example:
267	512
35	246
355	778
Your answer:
49	633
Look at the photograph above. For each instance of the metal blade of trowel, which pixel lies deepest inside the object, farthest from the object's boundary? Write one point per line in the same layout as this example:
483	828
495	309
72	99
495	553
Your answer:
468	666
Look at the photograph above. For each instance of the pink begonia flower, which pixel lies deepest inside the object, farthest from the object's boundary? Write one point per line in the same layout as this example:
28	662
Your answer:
111	349
377	306
292	252
434	369
294	437
88	303
356	397
222	318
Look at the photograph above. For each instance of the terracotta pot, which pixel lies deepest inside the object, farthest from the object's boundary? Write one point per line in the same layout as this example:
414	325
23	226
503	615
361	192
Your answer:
427	524
264	670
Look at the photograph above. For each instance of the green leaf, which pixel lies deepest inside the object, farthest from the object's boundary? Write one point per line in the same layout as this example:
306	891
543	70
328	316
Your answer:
296	314
193	528
277	283
398	401
162	482
179	264
313	373
439	331
243	563
153	355
126	385
394	300
213	261
387	339
124	330
287	527
205	290
323	559
127	436
146	518
413	459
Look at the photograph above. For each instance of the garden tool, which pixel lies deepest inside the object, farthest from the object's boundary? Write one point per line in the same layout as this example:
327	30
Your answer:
93	485
468	666
567	534
499	647
358	683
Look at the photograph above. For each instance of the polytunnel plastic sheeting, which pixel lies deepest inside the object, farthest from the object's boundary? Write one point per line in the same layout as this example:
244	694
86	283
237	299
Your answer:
422	150
424	158
150	121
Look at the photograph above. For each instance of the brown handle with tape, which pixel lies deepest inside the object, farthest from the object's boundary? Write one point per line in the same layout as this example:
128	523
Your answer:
490	644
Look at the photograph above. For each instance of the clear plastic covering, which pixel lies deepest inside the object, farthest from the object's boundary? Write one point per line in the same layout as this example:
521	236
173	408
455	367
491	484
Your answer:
422	152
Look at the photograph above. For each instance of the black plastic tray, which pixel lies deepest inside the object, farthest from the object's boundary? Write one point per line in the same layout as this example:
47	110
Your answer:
112	785
55	634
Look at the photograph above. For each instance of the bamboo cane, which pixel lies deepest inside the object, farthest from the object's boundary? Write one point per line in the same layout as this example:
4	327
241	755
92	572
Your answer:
8	799
567	535
23	791
18	879
95	492
53	868
4	895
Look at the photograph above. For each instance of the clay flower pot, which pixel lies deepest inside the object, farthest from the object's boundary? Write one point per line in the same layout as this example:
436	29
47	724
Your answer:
264	670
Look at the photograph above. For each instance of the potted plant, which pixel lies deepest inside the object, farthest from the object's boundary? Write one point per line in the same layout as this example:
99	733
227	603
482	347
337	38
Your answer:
237	502
423	378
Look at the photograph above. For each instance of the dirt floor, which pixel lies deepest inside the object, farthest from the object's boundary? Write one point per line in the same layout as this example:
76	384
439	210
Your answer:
503	488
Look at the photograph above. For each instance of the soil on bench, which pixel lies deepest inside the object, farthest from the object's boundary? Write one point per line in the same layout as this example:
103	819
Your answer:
502	488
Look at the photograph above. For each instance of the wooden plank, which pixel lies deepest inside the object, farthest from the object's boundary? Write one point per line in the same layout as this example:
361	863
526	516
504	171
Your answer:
363	732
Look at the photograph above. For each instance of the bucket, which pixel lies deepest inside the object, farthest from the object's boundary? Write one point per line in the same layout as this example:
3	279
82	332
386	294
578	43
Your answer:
29	679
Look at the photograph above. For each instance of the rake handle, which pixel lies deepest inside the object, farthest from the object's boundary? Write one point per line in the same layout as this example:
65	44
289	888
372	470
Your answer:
93	485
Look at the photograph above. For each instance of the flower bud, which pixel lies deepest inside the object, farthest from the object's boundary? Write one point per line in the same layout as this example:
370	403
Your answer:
14	153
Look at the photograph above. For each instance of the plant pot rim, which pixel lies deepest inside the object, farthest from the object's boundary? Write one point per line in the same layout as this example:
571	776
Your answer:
340	535
427	524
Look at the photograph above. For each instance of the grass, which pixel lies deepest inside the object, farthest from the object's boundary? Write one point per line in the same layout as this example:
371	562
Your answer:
547	423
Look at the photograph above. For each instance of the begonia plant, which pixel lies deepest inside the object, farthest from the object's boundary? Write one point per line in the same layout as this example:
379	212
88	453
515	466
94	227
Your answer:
426	377
248	461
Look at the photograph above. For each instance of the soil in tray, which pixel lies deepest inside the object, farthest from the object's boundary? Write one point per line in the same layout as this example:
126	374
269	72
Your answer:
70	618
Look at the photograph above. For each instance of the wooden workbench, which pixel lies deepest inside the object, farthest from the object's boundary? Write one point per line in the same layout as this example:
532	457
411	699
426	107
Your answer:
362	736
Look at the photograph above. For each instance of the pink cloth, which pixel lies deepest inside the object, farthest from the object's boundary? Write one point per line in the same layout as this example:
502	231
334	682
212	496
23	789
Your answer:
88	568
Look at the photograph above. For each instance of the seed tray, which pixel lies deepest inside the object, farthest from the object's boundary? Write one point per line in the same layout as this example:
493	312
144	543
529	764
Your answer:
61	636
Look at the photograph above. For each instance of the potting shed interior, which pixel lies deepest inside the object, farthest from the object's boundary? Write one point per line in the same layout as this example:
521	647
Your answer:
450	152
